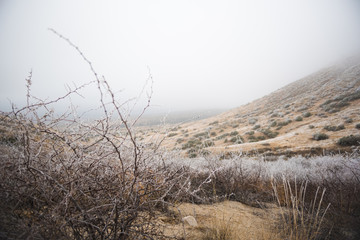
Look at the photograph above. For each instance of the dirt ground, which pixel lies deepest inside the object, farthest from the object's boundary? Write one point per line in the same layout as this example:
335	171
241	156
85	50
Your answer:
240	220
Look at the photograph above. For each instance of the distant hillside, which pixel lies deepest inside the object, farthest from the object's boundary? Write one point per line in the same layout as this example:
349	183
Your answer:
308	116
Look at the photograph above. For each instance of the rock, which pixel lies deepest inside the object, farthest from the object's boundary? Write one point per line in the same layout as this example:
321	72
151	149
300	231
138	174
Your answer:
190	220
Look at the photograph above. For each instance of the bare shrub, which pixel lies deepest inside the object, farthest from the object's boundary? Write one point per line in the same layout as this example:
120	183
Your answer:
63	177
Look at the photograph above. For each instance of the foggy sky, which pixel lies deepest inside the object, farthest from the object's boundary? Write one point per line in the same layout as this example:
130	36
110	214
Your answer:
201	53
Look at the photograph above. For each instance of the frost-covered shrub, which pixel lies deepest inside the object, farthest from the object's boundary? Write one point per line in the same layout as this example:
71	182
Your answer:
335	105
298	118
192	143
334	128
224	135
306	114
349	120
192	155
202	135
256	127
268	133
214	123
314	169
234	133
351	140
260	138
237	140
252	121
284	123
273	124
320	136
208	143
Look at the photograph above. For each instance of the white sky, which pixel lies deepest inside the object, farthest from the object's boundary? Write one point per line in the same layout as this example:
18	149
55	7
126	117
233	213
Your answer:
202	53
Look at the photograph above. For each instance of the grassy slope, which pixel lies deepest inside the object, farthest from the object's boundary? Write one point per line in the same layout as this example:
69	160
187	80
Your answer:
338	85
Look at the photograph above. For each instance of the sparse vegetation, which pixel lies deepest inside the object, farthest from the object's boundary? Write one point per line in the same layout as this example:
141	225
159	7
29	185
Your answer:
352	140
335	105
250	133
252	121
224	135
208	143
349	120
256	138
172	134
202	135
256	127
273	124
234	133
298	118
320	136
334	128
283	123
192	143
214	123
306	114
192	152
268	133
237	140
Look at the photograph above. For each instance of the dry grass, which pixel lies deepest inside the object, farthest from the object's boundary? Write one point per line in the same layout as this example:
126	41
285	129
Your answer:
299	220
227	220
219	229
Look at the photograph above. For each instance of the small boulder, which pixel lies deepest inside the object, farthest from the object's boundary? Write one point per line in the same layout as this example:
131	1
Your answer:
190	220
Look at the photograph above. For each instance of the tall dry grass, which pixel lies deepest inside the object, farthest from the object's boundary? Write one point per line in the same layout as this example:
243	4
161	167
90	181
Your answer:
300	219
219	229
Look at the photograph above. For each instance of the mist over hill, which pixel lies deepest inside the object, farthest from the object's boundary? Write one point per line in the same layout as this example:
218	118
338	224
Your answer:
310	116
151	118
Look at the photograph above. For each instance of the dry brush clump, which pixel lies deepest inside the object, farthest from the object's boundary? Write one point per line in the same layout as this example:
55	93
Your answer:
66	178
250	180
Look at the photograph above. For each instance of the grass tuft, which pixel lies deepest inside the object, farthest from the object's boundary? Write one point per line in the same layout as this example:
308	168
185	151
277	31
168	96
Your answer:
300	219
219	230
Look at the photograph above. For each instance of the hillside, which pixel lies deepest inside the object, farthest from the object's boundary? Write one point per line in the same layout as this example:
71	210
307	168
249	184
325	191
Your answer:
284	122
